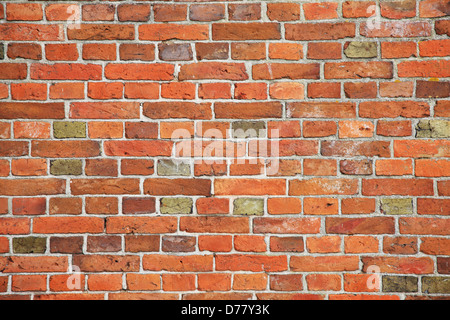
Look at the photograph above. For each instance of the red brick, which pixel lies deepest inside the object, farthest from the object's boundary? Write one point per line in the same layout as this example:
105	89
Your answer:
433	206
215	243
62	12
321	110
98	12
320	11
324	90
320	31
102	205
433	8
402	265
286	225
213	70
322	186
131	224
324	263
106	130
38	264
170	12
135	90
63	71
255	263
29	91
104	110
68	225
138	205
393	109
61	52
361	244
31	187
21	283
398	49
215	224
65	205
214	91
365	90
99	51
377	225
193	263
397	89
357	70
101	32
324	50
432	226
133	12
400	245
30	32
248	51
67	90
65	149
214	282
178	90
105	282
442	27
325	244
273	71
104	186
161	186
283	11
285	51
319	167
250	281
161	32
435	68
178	282
246	31
434	48
421	149
394	128
143	282
212	206
31	51
323	282
249	243
136	71
143	52
24	11
107	263
405	187
29	167
358	9
398	9
435	246
394	167
396	29
105	90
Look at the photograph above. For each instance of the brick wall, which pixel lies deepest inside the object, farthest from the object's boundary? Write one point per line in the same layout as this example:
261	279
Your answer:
224	149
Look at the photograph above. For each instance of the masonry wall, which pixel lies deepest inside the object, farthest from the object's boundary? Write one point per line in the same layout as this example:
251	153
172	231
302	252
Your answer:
224	149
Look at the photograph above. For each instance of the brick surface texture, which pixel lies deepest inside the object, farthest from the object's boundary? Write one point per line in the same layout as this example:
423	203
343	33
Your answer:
203	149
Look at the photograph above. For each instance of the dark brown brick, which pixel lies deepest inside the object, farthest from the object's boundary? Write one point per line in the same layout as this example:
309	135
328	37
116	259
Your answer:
66	244
433	89
175	51
104	244
138	205
178	244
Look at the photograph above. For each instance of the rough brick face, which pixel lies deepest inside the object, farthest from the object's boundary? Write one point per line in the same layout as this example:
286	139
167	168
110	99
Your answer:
203	149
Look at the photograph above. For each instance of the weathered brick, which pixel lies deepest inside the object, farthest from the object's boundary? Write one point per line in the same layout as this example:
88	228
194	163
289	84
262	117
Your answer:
30	245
